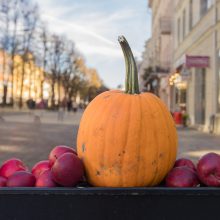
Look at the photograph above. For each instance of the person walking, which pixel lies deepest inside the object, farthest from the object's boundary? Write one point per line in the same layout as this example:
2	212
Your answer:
75	107
69	105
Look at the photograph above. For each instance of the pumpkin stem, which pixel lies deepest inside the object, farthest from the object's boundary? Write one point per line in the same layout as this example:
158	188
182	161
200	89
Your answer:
131	80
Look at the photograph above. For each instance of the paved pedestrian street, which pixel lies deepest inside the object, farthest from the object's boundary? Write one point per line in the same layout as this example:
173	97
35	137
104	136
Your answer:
31	135
193	144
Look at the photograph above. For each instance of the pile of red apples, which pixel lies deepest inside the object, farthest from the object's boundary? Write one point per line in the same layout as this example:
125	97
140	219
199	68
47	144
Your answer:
63	168
186	174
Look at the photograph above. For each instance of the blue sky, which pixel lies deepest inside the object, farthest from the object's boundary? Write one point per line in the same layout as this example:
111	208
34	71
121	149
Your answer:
94	26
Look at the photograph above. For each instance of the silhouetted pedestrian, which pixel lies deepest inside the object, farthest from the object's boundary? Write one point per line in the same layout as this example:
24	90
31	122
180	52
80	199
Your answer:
69	105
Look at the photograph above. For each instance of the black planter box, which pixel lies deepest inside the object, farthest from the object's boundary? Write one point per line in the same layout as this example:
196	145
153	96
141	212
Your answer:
109	203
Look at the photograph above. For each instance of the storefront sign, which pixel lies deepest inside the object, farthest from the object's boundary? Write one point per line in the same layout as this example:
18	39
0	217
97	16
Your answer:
197	61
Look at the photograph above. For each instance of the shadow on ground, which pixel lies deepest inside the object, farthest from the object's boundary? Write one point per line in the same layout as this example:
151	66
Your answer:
193	144
32	142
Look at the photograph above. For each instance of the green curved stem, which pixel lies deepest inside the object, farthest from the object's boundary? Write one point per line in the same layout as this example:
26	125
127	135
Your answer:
131	80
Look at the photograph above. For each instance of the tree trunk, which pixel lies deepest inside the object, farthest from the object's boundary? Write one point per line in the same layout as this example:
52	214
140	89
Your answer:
5	89
53	95
42	89
5	82
31	71
12	82
42	80
22	85
59	91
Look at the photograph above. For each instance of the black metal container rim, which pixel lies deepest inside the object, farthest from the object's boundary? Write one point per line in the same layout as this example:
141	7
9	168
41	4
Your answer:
133	191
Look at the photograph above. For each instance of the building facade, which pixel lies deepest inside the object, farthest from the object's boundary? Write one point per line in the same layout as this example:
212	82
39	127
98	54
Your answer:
28	84
185	59
195	86
145	65
158	56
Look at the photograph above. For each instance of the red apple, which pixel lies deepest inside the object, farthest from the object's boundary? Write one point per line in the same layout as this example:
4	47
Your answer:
40	167
67	170
10	166
3	181
58	151
45	180
182	177
185	162
208	169
21	179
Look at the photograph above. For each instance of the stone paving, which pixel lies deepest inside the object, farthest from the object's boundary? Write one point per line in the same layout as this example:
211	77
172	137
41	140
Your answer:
193	144
31	135
31	139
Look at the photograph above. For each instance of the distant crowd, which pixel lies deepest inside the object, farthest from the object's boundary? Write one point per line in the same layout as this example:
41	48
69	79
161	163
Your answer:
66	105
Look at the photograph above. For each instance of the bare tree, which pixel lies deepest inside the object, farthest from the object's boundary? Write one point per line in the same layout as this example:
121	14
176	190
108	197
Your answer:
30	19
56	61
26	45
70	69
79	79
44	40
5	17
14	42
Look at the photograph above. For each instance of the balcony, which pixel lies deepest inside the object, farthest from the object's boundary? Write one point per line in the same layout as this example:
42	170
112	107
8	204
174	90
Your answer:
165	25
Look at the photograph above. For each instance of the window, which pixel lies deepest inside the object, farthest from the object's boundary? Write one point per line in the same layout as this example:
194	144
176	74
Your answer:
178	29
204	6
184	23
190	15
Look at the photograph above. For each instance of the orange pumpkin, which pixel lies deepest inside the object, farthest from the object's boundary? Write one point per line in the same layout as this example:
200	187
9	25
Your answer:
127	139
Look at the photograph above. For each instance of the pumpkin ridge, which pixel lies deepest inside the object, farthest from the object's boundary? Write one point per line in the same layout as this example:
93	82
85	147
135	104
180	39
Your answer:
157	152
172	135
165	168
103	159
99	154
149	109
85	123
151	183
98	116
145	168
126	141
111	129
170	138
146	135
124	145
139	145
162	106
175	137
88	109
95	111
